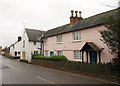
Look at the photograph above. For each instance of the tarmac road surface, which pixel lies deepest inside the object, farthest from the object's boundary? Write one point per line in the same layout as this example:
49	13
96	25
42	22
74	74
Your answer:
15	72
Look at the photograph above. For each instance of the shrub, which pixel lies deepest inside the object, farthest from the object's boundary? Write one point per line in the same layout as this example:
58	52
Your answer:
37	56
54	58
59	58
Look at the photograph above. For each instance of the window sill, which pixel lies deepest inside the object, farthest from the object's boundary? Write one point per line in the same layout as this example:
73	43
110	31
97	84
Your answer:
59	43
77	41
78	60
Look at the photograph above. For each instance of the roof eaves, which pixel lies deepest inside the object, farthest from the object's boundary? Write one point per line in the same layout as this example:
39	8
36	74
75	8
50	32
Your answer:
34	40
94	46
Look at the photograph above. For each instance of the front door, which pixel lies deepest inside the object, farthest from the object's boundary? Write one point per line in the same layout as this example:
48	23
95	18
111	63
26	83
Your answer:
93	57
23	55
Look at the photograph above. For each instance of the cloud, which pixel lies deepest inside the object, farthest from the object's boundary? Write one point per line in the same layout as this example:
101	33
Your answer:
42	14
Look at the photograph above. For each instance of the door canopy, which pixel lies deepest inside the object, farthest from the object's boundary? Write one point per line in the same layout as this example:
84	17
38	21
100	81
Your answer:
90	46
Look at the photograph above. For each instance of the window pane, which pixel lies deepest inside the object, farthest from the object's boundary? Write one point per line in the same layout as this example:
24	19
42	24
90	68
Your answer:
45	40
35	52
76	35
46	53
19	52
77	54
59	53
15	53
59	38
23	43
34	43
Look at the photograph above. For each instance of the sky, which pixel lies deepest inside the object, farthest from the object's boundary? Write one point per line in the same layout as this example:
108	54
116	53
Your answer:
15	15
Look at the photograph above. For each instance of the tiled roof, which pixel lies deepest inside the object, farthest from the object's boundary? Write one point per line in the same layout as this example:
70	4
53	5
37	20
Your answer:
82	24
34	35
58	30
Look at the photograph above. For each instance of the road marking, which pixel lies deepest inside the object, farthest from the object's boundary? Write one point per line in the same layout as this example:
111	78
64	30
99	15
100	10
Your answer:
45	80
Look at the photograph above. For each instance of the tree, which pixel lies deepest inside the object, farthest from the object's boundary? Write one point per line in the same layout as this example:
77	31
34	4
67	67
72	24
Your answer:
111	36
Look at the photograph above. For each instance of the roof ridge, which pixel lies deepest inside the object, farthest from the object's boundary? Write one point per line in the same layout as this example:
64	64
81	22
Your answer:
34	29
102	13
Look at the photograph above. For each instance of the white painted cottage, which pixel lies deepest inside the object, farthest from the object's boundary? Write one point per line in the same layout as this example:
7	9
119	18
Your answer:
15	49
31	43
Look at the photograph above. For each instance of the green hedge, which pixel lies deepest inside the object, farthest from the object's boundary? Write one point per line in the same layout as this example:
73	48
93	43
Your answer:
54	58
38	56
59	58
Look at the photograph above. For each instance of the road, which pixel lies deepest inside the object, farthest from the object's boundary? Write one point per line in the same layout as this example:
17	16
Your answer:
15	72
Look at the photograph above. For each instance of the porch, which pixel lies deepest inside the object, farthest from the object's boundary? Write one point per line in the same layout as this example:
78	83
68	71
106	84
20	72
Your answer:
91	53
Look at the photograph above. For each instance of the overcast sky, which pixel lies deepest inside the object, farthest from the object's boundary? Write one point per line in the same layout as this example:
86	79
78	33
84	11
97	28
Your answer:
43	14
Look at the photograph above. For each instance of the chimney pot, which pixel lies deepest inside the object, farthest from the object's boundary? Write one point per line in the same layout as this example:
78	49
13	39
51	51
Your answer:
80	14
76	17
72	13
76	13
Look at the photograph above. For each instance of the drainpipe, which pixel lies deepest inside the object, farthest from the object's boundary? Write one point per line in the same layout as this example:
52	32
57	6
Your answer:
42	47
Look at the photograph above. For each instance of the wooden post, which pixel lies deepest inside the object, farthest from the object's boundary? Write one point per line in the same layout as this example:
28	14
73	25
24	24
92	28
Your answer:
99	57
87	55
83	56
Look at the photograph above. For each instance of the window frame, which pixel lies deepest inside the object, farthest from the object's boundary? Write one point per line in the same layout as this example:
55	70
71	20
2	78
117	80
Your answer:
59	38
19	53
45	40
15	53
59	53
46	52
77	54
34	43
13	46
35	52
24	44
76	36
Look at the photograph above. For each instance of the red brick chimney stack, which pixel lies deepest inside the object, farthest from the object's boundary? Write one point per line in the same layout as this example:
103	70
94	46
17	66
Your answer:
72	21
76	17
19	38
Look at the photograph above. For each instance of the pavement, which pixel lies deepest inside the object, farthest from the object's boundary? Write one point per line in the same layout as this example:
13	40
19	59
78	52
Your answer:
15	72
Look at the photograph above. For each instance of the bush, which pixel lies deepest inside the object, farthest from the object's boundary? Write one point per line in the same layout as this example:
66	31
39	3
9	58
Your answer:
59	58
54	58
38	56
